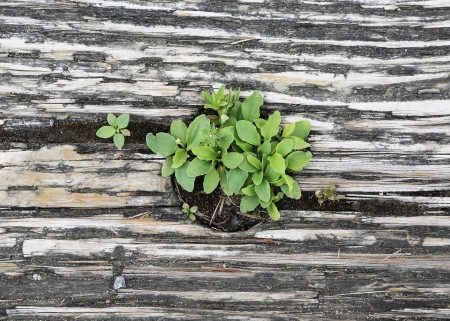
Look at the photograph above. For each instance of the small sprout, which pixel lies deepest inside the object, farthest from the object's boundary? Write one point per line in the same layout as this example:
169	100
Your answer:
116	129
186	209
328	194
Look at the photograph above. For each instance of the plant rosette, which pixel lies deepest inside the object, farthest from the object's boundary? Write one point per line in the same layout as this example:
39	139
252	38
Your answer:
236	155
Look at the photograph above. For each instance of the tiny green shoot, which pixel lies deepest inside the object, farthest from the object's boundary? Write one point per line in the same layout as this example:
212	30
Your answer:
116	129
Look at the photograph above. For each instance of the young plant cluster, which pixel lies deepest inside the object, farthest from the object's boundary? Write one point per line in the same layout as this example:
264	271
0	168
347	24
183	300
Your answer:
328	194
237	150
116	129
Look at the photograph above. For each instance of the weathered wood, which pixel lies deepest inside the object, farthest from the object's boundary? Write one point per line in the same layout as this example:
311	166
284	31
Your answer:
371	76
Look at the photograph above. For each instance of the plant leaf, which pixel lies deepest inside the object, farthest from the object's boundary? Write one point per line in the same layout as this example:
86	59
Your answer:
288	130
259	122
272	127
163	144
263	191
195	133
178	130
265	148
179	158
248	203
273	212
125	132
248	133
249	190
257	177
270	174
111	120
204	152
167	169
119	140
122	121
302	129
198	167
285	147
299	143
185	181
106	132
246	165
223	181
250	106
210	181
254	161
232	160
294	193
277	162
236	178
297	160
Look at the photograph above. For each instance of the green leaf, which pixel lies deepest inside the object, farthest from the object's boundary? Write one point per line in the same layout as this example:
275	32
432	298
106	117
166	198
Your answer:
111	120
179	158
249	190
167	169
250	106
254	161
272	126
289	181
106	132
273	212
285	147
178	130
248	203
198	167
232	160
265	148
195	133
270	174
125	132
211	181
192	217
263	191
236	178
208	99
223	181
204	152
297	160
163	144
257	177
119	140
246	165
277	162
185	181
260	122
302	129
299	143
248	133
294	193
122	121
288	130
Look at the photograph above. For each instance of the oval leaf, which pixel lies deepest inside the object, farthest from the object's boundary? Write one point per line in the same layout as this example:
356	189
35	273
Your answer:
299	143
232	160
211	181
302	129
119	140
167	169
297	160
223	181
257	177
288	130
273	212
285	147
198	167
277	162
249	190
185	181
246	165
265	148
272	126
111	120
294	193
163	144
263	191
236	178
178	130
254	161
248	203
250	106
106	132
248	133
195	133
204	152
179	158
122	121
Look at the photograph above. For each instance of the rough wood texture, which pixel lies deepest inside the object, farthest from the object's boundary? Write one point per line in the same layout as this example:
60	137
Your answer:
372	76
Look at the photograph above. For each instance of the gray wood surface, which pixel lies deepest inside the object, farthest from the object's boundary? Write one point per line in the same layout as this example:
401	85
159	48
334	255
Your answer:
373	77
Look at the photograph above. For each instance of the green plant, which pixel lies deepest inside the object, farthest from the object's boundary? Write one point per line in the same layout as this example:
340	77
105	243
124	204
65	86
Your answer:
191	211
328	194
238	150
116	129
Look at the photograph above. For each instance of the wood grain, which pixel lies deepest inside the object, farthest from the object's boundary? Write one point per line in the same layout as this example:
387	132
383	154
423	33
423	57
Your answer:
371	76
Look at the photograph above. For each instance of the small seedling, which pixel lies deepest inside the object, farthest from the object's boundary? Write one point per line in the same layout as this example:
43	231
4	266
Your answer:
328	194
186	209
116	129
